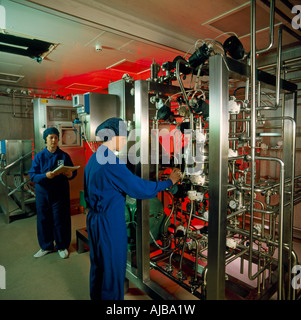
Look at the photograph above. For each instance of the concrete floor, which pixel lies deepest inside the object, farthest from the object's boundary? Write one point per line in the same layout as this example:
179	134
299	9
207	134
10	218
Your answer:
53	278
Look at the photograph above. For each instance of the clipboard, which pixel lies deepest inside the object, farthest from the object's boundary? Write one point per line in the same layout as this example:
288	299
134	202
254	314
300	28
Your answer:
65	169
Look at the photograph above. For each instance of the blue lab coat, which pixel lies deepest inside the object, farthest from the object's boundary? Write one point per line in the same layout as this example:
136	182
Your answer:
52	199
107	180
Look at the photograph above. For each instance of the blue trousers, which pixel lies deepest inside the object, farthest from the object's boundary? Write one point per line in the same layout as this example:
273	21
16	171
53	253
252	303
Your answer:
108	255
53	222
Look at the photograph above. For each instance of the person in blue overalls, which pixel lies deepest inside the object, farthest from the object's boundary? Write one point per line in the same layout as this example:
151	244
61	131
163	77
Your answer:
107	180
52	196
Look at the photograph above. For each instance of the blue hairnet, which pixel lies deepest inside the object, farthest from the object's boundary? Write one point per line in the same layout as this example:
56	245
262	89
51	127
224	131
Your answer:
51	130
110	128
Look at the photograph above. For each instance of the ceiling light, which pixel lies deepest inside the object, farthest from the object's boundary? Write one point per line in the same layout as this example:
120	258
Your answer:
33	48
2	18
11	78
13	45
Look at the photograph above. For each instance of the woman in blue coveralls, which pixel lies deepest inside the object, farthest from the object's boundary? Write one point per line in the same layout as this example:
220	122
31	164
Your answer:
107	180
52	196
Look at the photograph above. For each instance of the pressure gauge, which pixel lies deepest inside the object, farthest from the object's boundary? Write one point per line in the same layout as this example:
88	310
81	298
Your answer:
232	204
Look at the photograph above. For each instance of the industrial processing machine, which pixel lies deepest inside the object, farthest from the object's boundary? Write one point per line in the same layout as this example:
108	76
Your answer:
225	230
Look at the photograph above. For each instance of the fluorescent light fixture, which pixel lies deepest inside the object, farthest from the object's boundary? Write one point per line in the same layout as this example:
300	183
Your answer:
11	78
32	48
115	64
2	18
82	87
13	45
127	66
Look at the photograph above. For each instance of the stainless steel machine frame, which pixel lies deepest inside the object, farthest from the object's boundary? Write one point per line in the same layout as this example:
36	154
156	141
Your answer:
141	274
218	175
220	70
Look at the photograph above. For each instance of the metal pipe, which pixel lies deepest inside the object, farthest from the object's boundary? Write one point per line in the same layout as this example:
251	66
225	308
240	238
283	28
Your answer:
286	63
156	128
280	229
292	194
241	211
295	262
186	234
171	212
237	255
291	181
14	103
183	90
279	12
18	160
279	66
245	233
179	282
196	260
253	126
279	58
247	83
271	32
21	185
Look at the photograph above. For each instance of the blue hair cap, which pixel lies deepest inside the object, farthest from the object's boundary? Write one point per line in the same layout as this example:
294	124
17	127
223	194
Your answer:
110	128
51	130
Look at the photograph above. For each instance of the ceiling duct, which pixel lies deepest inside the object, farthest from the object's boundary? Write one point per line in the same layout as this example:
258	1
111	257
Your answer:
125	65
32	48
11	78
82	87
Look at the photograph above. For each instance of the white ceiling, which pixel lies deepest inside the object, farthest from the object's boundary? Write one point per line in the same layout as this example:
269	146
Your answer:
130	31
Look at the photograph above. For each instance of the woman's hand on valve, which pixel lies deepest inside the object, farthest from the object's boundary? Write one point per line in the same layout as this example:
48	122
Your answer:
175	175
